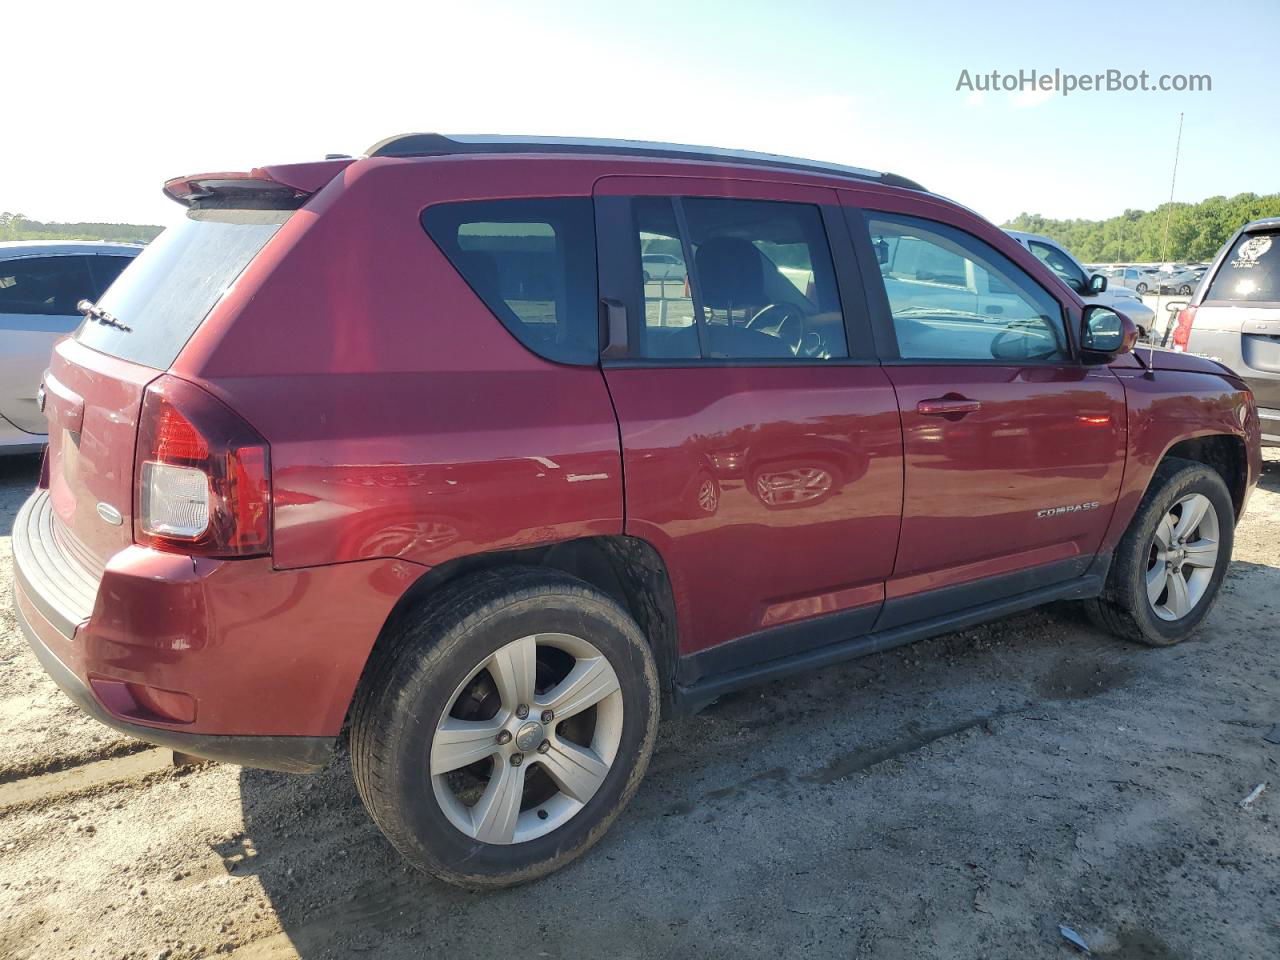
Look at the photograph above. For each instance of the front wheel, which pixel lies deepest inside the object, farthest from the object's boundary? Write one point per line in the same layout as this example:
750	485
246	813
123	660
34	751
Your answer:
501	733
1167	571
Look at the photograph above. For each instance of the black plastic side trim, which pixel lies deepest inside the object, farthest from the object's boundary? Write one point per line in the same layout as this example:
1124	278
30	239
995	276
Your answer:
900	611
794	638
287	754
690	698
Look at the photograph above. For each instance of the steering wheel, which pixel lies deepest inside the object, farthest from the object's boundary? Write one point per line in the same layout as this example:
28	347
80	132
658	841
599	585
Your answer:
777	317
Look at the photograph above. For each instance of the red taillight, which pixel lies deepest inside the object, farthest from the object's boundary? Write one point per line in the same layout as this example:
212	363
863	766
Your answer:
200	476
1182	331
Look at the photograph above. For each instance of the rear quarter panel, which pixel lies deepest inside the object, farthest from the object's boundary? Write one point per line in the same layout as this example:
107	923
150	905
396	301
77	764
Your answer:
404	420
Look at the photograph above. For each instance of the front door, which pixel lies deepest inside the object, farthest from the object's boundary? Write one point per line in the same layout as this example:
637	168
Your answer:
1014	449
762	452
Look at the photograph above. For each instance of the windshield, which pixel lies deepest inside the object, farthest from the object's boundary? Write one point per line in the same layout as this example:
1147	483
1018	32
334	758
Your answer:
171	286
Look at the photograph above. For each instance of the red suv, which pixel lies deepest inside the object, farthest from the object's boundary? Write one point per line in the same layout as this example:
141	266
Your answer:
410	443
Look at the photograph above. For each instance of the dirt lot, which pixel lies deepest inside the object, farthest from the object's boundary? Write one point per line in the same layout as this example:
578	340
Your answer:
960	798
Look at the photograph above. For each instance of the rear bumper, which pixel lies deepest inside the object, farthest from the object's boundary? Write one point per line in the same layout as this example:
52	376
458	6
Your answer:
227	659
290	754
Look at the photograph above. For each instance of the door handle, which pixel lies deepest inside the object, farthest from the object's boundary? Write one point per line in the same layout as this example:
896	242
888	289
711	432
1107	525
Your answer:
953	407
613	317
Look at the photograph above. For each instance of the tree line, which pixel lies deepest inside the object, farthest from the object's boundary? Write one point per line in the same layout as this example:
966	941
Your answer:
1195	231
14	226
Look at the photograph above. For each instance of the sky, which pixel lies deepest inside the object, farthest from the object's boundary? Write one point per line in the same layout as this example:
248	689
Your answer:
118	98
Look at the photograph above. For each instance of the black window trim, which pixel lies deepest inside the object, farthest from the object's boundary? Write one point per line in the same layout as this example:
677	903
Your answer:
882	315
620	278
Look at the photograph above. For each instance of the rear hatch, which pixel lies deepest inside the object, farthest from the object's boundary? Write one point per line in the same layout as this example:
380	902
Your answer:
96	380
1238	318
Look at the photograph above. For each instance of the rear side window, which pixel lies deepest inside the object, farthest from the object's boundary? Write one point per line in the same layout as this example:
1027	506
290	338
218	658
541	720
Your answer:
46	286
168	289
533	263
1251	271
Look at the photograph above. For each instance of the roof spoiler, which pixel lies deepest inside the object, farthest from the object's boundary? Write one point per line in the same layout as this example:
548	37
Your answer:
278	187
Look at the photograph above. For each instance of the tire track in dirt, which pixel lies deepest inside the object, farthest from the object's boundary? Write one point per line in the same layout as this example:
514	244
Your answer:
29	791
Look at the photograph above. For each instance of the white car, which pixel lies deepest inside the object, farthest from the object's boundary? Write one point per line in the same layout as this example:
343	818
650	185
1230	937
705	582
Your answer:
662	266
40	284
1093	289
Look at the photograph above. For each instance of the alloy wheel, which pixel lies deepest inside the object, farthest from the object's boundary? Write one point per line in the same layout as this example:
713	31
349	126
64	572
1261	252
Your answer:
1182	557
527	738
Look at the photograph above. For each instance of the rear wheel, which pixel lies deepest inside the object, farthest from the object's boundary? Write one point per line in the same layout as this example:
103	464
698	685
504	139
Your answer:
501	734
1167	571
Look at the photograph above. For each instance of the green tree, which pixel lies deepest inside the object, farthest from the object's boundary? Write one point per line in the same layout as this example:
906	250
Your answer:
1195	231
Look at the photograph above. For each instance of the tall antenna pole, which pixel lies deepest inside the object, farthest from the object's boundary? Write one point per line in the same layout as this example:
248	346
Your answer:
1164	243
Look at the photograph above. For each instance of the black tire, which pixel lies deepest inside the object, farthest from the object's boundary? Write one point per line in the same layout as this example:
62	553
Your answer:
1185	290
1141	288
1124	609
416	673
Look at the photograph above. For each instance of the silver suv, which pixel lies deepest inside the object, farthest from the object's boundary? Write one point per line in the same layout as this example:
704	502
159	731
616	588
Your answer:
40	284
1234	316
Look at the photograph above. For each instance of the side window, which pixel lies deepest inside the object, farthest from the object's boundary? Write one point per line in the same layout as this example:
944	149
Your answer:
953	297
761	284
105	270
49	286
533	263
1061	264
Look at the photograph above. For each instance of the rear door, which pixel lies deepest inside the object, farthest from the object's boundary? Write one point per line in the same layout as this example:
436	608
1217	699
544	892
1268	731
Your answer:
1014	450
38	297
761	447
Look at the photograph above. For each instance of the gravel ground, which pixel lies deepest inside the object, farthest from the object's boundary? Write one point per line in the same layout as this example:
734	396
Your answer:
959	798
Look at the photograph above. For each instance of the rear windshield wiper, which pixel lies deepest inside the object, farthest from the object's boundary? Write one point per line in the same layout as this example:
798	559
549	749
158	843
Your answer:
95	312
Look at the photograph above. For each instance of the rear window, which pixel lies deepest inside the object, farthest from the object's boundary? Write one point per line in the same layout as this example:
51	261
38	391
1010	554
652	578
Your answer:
533	263
1251	271
168	290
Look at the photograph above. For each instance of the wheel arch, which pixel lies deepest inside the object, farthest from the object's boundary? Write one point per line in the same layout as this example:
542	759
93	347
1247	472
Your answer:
1223	453
628	569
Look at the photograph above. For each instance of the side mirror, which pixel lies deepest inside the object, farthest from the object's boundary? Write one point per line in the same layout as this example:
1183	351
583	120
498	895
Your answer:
1106	334
882	250
1097	284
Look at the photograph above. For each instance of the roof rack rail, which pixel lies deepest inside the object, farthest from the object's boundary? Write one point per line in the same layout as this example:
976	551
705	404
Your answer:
439	144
